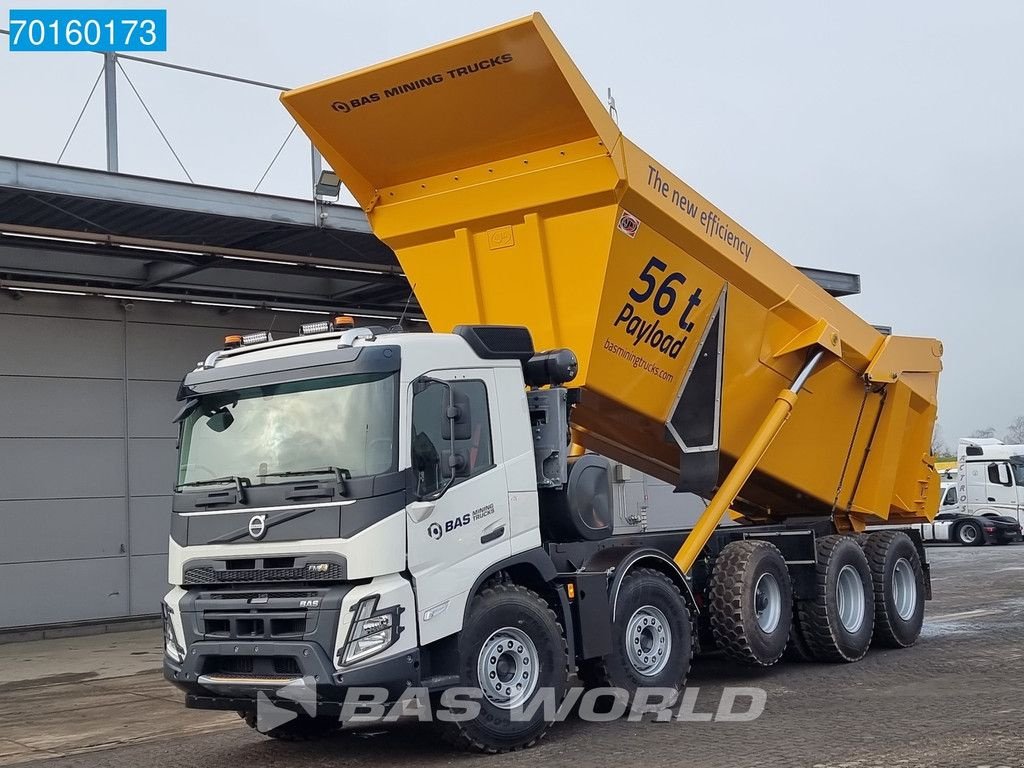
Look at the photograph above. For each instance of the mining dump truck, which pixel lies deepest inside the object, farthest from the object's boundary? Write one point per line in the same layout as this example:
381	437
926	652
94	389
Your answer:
359	506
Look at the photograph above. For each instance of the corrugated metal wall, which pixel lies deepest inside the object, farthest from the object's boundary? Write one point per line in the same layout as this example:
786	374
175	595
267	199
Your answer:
87	450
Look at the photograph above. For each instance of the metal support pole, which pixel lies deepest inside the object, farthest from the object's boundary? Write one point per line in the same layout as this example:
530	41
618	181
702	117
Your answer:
110	88
743	468
317	167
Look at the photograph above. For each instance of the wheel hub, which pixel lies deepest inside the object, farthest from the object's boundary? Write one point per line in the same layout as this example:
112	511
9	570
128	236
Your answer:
648	640
850	598
768	602
507	668
904	589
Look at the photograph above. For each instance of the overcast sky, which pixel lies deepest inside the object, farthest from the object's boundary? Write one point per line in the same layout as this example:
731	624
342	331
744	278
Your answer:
880	138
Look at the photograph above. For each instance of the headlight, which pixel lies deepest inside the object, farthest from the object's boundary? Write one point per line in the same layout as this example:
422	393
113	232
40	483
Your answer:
371	632
172	647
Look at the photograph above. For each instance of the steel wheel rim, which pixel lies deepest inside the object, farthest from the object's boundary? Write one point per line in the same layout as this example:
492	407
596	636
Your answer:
648	640
508	667
850	598
767	602
904	589
968	533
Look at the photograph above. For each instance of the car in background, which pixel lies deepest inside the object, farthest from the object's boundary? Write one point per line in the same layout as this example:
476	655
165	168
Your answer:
970	530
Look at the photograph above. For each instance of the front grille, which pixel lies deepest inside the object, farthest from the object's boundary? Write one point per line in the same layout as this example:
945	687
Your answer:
252	666
256	595
247	625
206	575
234	665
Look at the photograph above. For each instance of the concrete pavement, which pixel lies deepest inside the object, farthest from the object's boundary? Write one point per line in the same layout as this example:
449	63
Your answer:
954	700
79	694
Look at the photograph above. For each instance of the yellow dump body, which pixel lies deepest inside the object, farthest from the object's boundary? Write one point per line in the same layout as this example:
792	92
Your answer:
511	197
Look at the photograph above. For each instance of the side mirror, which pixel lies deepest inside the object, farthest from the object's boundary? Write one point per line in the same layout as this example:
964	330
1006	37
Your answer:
220	419
459	424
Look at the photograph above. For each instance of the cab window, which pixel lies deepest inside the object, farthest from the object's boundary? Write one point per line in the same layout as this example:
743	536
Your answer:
999	474
434	442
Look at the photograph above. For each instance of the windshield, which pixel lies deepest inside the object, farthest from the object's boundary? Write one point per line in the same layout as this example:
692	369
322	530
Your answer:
1018	472
344	422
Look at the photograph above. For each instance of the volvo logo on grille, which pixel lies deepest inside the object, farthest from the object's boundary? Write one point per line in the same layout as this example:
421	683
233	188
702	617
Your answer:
258	526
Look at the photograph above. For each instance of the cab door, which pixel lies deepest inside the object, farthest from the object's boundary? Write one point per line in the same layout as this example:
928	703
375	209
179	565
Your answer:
1000	490
459	524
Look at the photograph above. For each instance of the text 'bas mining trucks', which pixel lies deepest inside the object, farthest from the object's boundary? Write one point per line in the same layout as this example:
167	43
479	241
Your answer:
363	508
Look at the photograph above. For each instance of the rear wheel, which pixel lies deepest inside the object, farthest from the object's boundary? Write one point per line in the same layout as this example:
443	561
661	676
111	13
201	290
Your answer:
898	580
652	640
969	534
838	622
513	649
796	646
751	602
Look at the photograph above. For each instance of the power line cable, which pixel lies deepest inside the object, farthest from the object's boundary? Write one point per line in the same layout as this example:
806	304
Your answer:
155	123
277	155
80	115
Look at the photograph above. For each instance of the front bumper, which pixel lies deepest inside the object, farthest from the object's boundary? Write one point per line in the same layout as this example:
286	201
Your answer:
282	642
290	673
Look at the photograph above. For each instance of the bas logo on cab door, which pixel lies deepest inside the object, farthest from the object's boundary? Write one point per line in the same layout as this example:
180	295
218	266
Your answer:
436	531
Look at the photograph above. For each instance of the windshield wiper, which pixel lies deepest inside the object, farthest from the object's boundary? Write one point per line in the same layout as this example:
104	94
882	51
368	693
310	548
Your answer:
214	497
340	474
237	480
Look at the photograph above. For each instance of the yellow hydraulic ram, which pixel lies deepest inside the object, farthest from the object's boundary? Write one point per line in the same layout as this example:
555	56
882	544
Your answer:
510	196
742	469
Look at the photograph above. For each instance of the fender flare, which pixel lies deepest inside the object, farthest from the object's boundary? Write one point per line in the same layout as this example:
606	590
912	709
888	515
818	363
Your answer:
540	561
619	561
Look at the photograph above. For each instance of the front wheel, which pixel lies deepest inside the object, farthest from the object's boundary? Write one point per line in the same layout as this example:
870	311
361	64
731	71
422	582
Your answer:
652	641
513	649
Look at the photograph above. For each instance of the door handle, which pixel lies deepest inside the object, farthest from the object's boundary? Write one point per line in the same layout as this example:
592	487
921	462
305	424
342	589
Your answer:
421	510
991	498
497	533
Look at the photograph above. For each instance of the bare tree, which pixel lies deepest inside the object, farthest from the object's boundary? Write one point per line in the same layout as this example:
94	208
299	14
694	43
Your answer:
939	447
1015	432
986	432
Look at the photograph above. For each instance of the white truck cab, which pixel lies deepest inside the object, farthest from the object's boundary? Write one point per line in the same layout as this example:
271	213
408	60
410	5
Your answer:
990	478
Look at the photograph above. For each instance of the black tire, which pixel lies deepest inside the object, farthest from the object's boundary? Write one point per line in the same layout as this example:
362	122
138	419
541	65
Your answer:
300	729
895	571
796	646
643	589
828	639
499	607
751	602
969	534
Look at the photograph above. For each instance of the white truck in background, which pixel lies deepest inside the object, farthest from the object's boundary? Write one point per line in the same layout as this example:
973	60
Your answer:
990	478
981	501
